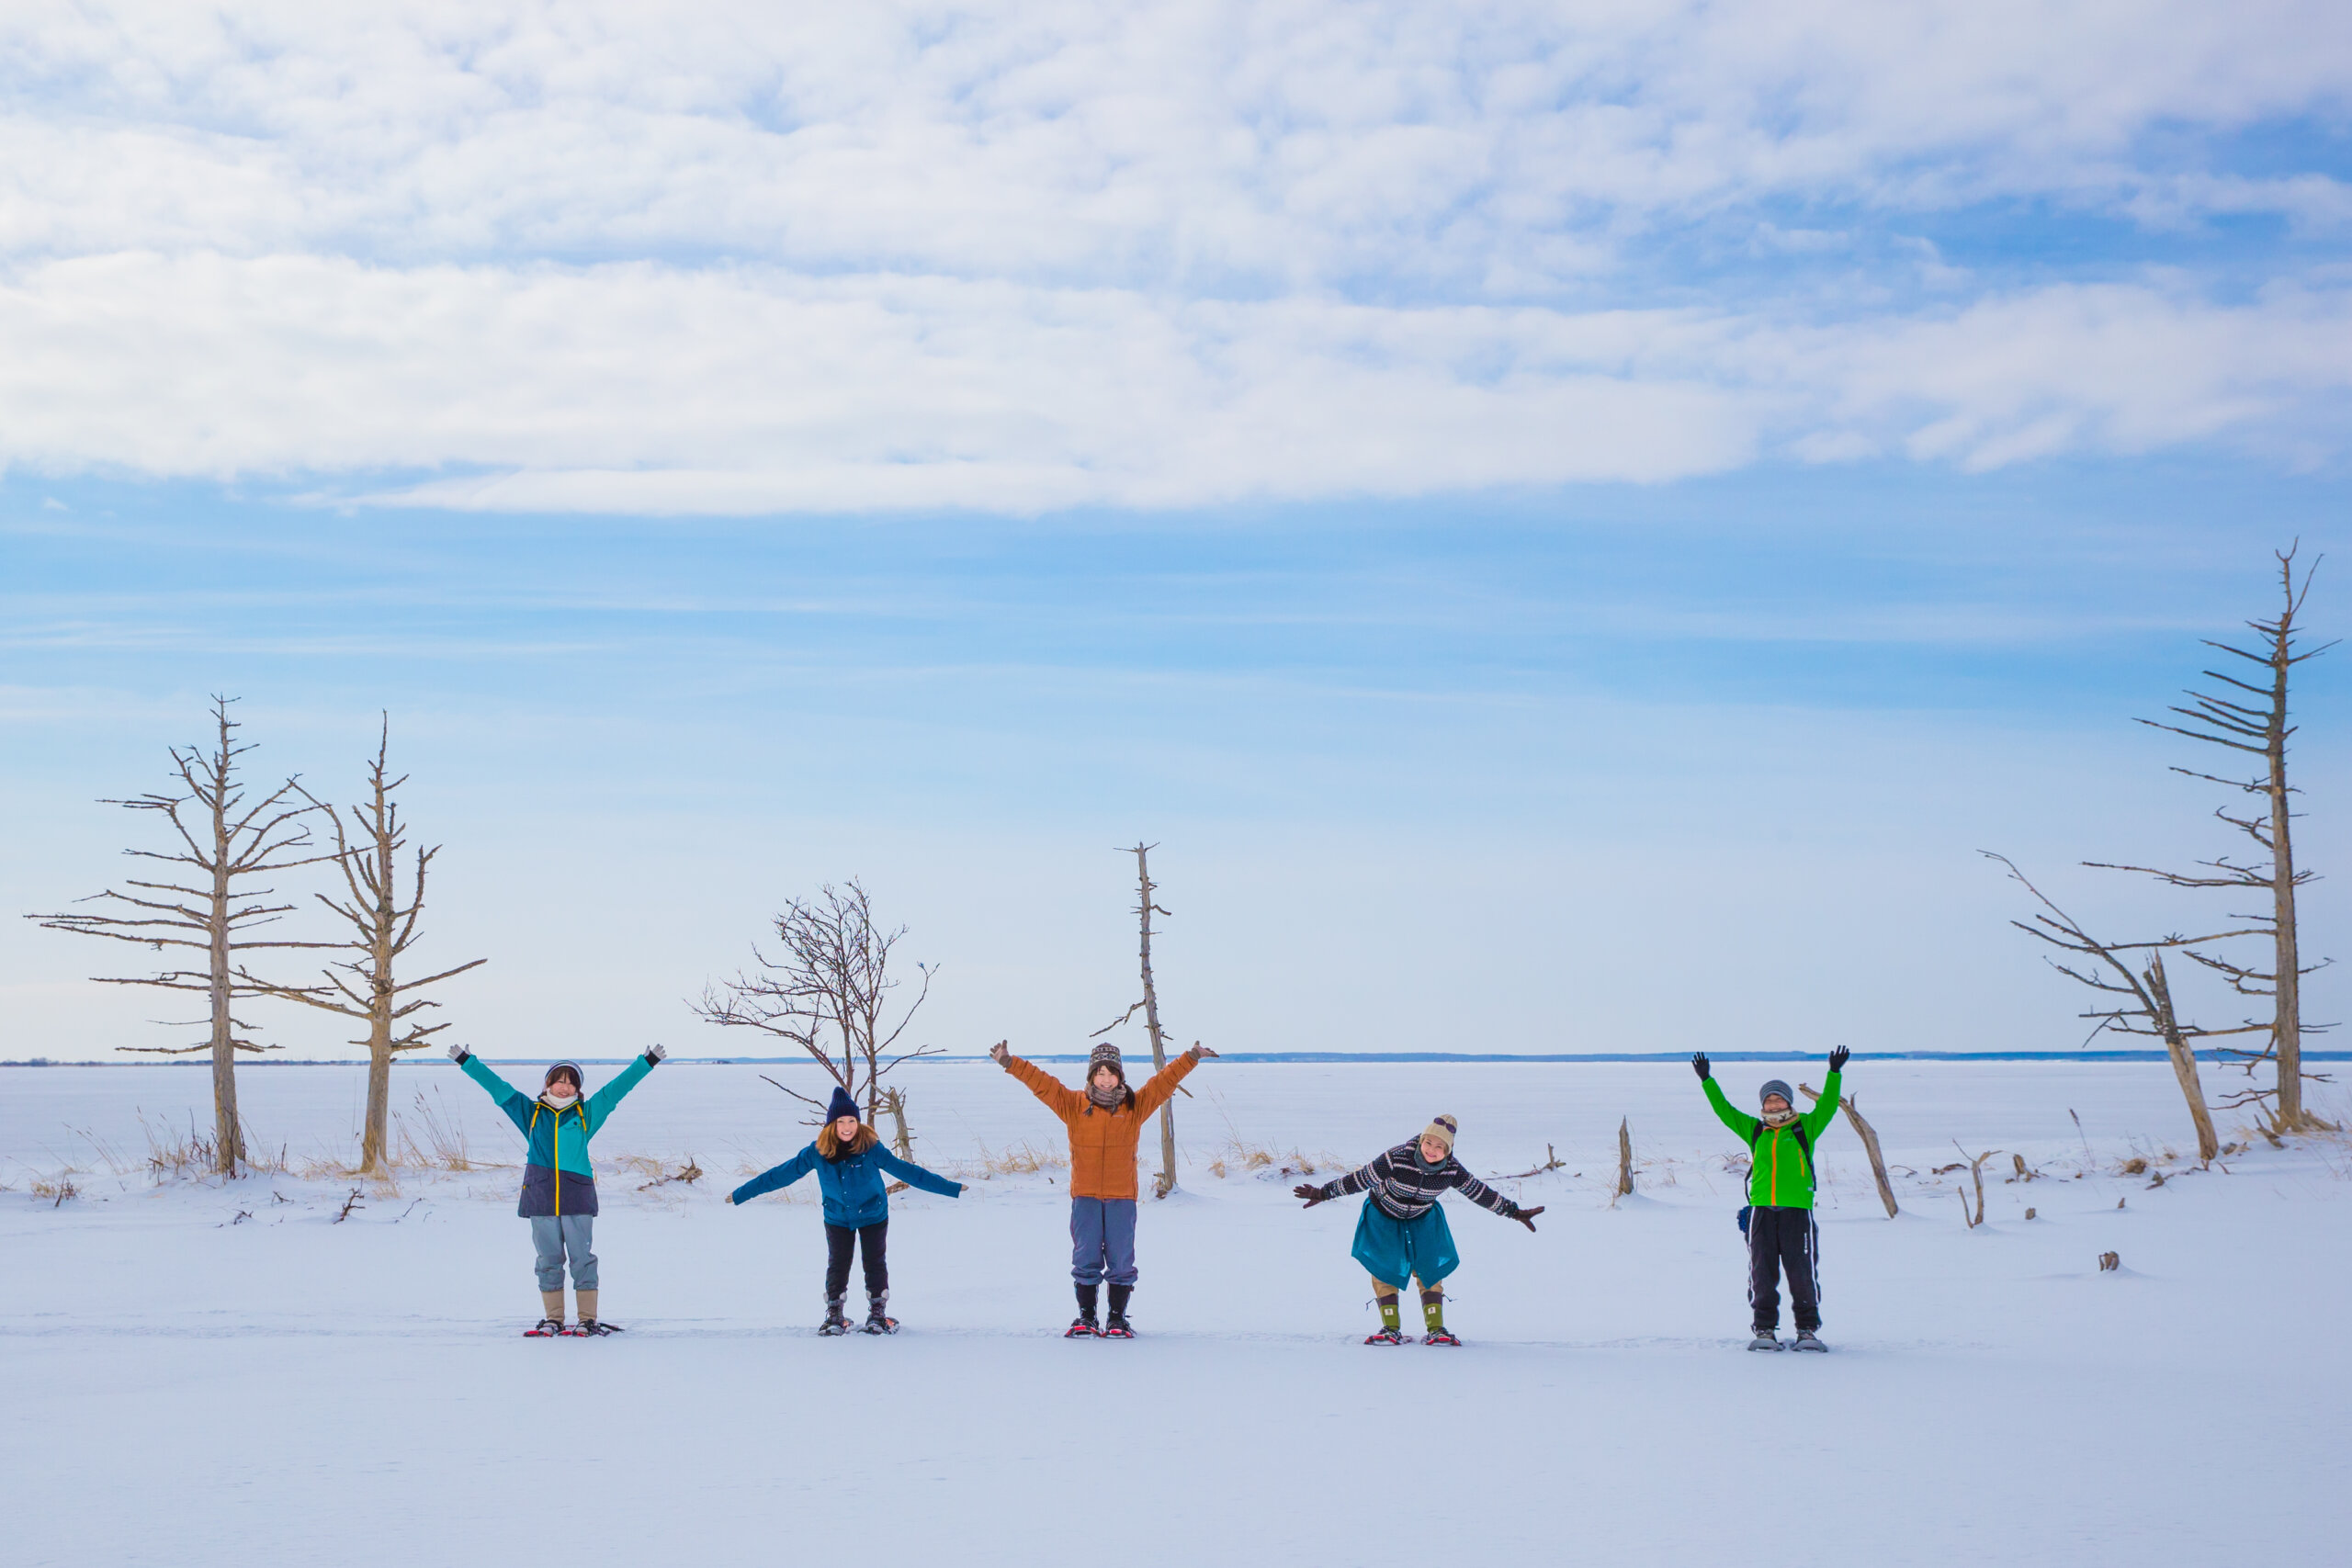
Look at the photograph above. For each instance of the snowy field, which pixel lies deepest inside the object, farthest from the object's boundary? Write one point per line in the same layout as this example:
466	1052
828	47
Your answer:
185	1386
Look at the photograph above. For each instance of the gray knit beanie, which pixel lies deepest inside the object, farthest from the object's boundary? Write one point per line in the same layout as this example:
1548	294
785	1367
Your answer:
1777	1086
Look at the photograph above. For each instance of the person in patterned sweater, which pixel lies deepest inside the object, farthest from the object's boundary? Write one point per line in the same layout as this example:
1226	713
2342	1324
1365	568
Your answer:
1402	1234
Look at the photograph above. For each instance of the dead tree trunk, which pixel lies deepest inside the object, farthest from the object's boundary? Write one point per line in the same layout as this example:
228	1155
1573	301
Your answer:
1625	1157
1868	1135
2250	719
223	844
2147	1008
383	929
2184	1057
1164	1183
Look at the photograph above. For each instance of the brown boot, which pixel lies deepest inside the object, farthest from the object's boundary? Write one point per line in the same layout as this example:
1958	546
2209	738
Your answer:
550	1315
590	1325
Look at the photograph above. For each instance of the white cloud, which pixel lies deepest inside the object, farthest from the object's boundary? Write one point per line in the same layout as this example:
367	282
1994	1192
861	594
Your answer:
739	257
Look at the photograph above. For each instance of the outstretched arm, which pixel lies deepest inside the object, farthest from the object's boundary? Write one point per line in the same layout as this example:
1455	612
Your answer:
784	1175
1161	1086
601	1103
1817	1119
512	1100
914	1175
1356	1181
1061	1099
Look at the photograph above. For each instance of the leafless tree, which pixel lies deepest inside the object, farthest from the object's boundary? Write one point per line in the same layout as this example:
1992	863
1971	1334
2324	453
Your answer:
825	988
1164	1183
226	840
2145	1004
383	929
2250	718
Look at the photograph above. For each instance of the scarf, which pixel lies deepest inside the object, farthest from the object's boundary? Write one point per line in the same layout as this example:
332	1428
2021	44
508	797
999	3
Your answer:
1107	1099
1784	1119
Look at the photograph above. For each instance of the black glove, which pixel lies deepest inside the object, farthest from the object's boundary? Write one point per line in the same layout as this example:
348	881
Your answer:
1527	1216
1699	1066
1311	1194
1838	1059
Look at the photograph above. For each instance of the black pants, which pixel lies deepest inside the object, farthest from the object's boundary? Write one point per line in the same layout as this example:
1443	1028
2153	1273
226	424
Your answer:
1778	1239
839	1241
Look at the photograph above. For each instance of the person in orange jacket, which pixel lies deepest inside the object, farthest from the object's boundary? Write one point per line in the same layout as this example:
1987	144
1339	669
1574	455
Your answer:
1105	1123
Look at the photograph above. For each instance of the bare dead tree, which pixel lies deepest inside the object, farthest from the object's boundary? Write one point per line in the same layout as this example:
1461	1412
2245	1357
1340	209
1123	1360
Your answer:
226	840
384	928
1624	1160
1976	1171
2145	1007
825	988
2250	718
1164	1183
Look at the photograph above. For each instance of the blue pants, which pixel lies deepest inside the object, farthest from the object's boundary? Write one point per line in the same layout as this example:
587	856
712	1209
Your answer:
1393	1251
1102	1240
553	1236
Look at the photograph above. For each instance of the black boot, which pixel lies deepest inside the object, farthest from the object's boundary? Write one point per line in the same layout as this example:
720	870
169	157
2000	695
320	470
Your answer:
877	1320
1118	1327
836	1321
1085	1327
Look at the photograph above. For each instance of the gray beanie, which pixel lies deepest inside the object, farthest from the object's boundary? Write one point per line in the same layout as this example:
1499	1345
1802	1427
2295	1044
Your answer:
1776	1085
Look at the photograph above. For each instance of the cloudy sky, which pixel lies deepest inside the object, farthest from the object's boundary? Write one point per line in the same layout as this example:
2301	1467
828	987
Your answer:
1571	524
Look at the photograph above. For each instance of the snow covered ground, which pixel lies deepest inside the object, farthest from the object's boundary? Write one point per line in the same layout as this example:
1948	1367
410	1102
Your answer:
188	1387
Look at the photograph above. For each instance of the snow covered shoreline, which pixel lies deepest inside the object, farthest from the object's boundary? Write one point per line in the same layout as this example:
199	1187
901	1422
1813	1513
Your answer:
357	1390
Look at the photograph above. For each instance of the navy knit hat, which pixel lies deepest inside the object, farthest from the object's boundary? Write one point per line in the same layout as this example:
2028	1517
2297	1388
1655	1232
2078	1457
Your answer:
840	1105
1776	1085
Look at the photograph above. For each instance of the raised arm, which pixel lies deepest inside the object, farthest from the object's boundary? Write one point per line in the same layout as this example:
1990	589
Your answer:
1816	1120
1162	1087
512	1100
1061	1099
784	1175
601	1103
914	1175
1739	1122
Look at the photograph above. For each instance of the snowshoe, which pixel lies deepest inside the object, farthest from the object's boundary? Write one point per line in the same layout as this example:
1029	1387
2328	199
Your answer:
546	1328
1765	1340
1439	1336
1117	1328
590	1328
880	1323
1386	1336
1084	1329
1808	1340
836	1321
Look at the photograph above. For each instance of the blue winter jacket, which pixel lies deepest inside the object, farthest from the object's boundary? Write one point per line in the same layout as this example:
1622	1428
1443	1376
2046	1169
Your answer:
851	1185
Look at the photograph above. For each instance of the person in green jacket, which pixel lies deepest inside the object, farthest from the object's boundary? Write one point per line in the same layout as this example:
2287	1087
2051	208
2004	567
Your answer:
1781	1235
558	1184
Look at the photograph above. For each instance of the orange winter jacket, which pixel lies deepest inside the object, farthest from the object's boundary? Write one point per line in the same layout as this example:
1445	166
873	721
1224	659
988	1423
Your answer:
1102	1143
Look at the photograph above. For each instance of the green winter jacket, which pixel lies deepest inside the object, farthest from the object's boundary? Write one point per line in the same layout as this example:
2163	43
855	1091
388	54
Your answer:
1782	1175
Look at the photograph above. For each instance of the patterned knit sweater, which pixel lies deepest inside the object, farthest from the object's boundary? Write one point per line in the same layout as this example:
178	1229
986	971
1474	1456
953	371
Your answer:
1405	1186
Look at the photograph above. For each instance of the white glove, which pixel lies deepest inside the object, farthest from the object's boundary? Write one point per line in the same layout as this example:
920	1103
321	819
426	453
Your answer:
459	1054
656	1054
999	1052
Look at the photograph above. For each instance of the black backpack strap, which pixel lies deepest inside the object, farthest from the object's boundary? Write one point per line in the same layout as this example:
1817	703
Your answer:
1804	1142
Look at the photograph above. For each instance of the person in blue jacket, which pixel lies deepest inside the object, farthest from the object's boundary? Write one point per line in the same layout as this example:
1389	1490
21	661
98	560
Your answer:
558	1184
850	1163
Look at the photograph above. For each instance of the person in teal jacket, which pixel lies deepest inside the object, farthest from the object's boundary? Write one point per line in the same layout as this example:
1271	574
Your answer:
850	1163
559	1183
1782	1234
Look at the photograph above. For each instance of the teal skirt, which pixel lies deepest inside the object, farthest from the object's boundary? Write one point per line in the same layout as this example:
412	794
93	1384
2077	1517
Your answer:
1394	1250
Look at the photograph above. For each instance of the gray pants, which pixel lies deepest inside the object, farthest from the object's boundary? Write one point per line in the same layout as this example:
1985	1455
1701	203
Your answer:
554	1235
1102	1240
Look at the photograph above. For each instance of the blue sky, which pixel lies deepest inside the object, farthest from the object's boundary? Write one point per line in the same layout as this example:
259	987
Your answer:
1571	527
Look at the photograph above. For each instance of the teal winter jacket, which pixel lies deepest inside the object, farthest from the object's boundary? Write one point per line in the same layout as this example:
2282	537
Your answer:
852	1186
556	1177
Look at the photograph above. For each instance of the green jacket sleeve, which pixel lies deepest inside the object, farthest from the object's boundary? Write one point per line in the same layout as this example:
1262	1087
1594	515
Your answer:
601	1103
512	1100
1739	1122
1817	1119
